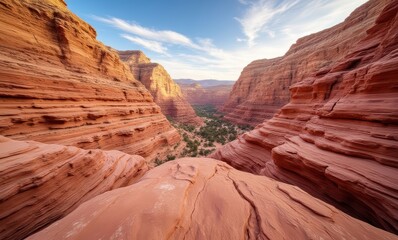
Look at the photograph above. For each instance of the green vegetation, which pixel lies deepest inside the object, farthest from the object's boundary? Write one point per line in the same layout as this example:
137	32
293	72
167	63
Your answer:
206	111
168	158
158	162
216	130
188	128
191	149
202	141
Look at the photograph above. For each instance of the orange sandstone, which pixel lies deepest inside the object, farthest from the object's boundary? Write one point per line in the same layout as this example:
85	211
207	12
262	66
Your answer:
166	93
58	84
207	199
41	183
337	138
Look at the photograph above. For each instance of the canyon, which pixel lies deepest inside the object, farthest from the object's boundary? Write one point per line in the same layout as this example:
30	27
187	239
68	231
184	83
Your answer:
263	86
58	84
166	93
206	92
81	125
337	138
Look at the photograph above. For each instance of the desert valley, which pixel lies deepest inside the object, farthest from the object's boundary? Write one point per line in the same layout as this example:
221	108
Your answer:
98	142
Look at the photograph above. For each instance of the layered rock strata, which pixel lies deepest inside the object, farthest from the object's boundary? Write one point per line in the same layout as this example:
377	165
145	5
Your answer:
215	96
58	84
263	86
208	199
41	183
338	136
166	93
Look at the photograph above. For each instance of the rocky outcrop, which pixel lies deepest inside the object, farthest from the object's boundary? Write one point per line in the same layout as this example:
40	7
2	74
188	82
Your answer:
205	82
263	86
166	93
207	199
338	136
58	84
215	96
41	183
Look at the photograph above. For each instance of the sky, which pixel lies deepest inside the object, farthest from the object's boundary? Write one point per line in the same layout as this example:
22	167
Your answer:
209	39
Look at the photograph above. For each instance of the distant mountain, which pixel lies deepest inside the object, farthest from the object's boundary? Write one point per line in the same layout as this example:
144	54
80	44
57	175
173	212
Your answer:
205	83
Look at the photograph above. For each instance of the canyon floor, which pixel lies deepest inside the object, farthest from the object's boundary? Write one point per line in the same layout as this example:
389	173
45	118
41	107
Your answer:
202	140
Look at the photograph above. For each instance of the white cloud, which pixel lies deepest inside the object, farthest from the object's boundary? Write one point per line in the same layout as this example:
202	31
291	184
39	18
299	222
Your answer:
317	15
157	35
257	16
148	44
273	27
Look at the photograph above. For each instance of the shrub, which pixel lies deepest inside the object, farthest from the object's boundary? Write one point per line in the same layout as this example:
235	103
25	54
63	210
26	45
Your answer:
170	157
158	162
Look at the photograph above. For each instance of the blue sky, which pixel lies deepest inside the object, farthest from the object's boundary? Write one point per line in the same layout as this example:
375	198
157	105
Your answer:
209	39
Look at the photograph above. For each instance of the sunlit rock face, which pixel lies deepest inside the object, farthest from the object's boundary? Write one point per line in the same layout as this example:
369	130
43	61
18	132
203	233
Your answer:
207	199
263	86
58	84
166	93
41	183
337	138
215	96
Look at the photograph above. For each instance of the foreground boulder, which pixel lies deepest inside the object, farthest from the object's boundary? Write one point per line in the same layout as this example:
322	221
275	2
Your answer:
41	183
207	199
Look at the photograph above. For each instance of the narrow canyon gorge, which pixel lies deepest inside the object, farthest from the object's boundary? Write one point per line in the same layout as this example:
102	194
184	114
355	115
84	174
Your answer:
205	92
83	125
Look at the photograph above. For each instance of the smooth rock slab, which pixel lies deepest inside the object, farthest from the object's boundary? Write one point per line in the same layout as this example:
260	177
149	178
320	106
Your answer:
195	198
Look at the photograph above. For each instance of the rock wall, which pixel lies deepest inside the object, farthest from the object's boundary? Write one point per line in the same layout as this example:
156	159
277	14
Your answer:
58	84
338	136
207	199
263	86
166	93
41	183
199	95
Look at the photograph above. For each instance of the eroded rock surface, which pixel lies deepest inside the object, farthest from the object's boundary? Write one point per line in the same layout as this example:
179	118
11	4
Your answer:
41	183
338	136
166	93
215	96
263	86
207	199
58	84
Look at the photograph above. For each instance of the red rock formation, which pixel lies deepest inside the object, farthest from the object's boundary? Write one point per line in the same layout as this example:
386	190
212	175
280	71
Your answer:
263	87
338	136
198	95
166	93
207	199
41	183
58	84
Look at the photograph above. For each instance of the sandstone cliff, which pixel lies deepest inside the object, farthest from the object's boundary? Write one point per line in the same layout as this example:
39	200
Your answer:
207	199
196	94
41	183
58	84
166	93
263	86
338	136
